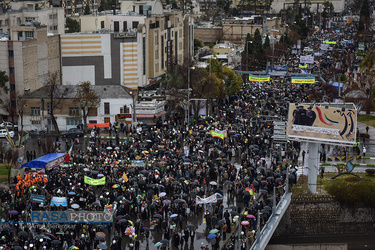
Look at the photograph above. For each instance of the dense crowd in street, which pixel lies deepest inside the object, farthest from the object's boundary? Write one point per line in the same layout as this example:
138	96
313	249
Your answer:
157	181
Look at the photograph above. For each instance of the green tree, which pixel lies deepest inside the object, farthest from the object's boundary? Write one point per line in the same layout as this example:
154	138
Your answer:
257	43
197	45
87	98
3	80
224	6
366	67
72	25
327	12
87	10
54	96
232	81
364	16
11	157
266	44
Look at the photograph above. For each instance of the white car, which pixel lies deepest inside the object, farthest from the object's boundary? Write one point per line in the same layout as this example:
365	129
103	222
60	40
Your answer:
3	133
9	125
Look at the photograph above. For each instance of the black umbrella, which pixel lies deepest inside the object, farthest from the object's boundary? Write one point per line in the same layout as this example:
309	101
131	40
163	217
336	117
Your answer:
55	242
94	172
263	182
268	208
95	204
265	211
144	171
178	201
17	248
228	182
233	213
220	222
131	170
279	180
255	184
164	241
120	197
22	233
142	182
190	226
175	183
7	228
157	216
233	207
123	220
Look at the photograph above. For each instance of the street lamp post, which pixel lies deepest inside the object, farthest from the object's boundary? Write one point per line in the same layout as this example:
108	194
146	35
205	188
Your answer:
133	109
188	106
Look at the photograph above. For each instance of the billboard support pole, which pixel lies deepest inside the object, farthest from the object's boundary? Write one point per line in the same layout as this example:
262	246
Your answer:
313	167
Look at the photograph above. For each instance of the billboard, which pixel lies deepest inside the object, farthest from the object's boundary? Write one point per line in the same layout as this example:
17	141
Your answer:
322	123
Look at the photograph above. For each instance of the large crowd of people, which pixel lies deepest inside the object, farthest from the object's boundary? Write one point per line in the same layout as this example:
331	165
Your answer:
157	178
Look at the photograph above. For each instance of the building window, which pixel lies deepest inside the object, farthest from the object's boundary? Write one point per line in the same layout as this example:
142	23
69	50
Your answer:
102	24
106	108
36	122
73	111
73	122
53	27
29	19
53	16
49	108
135	25
125	26
35	111
29	34
141	10
11	53
11	70
12	87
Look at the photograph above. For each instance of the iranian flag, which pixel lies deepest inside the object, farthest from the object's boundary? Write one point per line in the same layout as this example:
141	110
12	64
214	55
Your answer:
67	156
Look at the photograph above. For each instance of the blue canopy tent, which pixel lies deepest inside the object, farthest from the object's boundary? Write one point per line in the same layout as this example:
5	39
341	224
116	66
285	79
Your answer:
336	84
47	161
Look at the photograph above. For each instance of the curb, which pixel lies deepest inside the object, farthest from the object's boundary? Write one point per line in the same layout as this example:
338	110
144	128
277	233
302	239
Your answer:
343	164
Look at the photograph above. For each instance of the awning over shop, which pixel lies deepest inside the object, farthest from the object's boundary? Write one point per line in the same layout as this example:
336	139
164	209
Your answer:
150	116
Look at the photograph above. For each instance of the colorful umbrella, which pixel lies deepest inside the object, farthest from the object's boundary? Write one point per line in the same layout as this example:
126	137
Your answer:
214	231
245	223
115	186
250	216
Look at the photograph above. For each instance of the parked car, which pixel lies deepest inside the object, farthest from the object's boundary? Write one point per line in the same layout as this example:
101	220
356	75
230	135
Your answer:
73	133
9	125
3	133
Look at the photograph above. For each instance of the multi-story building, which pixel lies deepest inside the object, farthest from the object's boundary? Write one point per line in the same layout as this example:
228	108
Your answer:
28	13
131	50
28	56
36	113
77	7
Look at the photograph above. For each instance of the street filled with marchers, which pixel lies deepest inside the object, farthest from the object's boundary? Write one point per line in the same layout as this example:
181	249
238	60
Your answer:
172	185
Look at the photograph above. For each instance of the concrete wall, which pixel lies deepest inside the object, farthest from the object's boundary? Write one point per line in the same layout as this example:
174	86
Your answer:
323	216
309	247
209	35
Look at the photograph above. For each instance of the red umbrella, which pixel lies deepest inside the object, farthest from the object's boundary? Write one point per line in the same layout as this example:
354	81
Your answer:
245	223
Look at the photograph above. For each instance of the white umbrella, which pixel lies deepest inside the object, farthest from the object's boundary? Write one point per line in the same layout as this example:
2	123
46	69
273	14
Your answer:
162	194
75	206
109	148
213	183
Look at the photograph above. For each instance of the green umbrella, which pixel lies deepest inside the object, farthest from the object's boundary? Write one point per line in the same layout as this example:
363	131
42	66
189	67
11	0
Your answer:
214	231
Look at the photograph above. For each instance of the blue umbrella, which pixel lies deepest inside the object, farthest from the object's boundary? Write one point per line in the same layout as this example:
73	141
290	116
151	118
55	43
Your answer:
71	193
158	244
174	215
102	246
211	236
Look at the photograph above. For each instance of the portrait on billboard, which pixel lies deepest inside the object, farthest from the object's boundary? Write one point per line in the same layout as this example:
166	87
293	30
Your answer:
322	123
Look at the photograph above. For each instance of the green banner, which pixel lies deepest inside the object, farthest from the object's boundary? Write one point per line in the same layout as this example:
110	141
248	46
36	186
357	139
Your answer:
303	80
265	78
303	66
330	42
94	182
